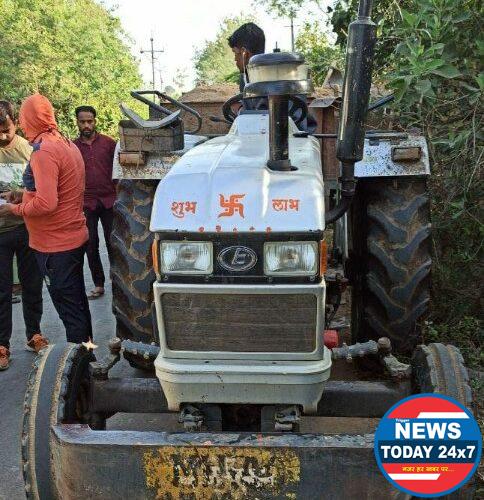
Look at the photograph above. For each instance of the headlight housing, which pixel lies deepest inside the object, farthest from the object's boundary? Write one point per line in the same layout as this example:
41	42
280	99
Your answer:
292	258
186	257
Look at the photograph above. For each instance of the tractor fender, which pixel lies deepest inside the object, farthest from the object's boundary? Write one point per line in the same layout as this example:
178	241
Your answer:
390	154
152	166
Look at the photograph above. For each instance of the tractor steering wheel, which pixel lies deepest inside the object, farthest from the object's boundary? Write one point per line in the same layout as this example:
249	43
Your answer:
297	106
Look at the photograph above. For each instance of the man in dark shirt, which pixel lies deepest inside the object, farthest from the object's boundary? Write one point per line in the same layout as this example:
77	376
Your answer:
98	153
249	40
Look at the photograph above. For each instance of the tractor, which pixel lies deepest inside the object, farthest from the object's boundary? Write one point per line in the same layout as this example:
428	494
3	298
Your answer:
222	293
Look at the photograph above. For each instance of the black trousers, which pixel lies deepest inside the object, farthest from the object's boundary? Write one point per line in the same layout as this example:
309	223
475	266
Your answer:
63	274
105	215
16	241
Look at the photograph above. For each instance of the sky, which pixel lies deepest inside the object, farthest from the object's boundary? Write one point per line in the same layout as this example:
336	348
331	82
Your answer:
179	26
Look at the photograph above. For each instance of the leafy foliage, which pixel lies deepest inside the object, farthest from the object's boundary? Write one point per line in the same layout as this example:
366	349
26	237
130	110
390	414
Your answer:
385	14
313	43
439	89
180	78
469	333
73	51
214	63
284	8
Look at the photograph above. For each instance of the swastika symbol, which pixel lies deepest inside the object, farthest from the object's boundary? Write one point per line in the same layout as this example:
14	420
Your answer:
231	205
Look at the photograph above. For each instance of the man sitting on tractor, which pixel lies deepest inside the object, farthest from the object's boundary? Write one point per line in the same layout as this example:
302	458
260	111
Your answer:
249	40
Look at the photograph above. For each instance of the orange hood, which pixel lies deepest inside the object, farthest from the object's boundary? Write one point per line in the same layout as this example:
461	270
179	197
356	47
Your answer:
36	116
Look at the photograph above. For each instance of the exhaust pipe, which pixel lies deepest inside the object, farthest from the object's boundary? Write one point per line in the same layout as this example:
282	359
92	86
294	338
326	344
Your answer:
356	96
278	133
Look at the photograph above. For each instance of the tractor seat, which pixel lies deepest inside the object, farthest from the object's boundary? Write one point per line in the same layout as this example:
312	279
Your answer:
149	124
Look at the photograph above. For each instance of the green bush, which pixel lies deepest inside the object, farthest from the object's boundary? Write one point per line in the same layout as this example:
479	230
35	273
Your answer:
466	332
320	54
439	90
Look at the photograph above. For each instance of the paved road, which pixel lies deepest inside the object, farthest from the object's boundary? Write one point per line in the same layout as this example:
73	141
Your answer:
14	380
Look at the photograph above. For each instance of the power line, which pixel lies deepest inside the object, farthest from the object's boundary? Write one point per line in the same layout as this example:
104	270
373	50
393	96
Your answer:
152	51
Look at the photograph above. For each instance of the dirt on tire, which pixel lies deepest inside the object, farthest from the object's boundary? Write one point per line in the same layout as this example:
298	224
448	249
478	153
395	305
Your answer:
132	266
440	369
390	260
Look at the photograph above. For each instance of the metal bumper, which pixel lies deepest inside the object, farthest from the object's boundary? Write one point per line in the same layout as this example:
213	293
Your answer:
147	465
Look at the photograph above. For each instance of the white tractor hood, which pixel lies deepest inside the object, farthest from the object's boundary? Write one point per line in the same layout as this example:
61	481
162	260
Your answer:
224	185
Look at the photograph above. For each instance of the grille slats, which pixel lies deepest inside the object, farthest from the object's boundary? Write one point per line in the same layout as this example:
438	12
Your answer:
240	323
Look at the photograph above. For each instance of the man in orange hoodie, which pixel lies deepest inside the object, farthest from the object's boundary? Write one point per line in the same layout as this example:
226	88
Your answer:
52	209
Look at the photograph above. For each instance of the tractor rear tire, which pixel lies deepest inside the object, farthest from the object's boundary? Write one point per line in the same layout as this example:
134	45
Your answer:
57	392
390	260
440	368
132	265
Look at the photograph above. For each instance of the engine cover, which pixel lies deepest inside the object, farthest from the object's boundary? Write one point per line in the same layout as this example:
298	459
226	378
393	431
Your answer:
224	185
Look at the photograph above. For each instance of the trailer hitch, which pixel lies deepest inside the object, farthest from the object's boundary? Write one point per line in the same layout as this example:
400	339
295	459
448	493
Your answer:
394	367
100	369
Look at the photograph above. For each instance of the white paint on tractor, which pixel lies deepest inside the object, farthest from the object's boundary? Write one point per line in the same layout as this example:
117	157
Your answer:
224	185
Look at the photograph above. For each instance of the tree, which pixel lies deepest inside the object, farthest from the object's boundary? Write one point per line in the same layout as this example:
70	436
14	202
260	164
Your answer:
171	91
214	62
342	13
179	79
73	51
386	14
311	40
313	43
284	8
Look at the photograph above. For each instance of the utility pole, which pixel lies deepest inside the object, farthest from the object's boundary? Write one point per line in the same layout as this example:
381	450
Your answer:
152	51
292	30
292	15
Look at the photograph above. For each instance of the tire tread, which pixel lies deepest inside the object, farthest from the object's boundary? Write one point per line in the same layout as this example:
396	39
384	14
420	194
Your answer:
440	369
393	259
132	268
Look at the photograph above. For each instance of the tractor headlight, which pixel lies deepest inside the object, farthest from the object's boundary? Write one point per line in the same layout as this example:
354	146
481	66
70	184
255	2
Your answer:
295	258
186	257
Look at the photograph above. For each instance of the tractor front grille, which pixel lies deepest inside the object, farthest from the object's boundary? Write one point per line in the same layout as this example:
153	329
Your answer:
240	323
